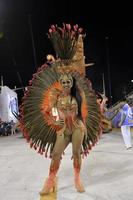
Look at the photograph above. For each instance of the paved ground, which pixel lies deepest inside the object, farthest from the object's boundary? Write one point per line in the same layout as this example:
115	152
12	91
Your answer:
107	172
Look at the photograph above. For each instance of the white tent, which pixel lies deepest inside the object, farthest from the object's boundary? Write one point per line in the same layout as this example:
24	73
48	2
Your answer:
8	104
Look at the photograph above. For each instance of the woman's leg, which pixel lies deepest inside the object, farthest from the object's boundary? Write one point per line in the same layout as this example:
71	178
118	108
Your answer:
77	139
126	133
60	145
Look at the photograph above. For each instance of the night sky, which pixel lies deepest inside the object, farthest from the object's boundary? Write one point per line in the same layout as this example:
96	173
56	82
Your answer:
108	42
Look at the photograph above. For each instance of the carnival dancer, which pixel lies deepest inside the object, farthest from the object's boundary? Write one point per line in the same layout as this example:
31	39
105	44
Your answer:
60	106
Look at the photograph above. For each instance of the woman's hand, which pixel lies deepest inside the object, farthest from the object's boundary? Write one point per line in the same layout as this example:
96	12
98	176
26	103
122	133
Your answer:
119	124
122	119
60	123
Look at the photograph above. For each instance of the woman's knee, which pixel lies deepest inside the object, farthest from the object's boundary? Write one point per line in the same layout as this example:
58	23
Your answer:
76	154
56	155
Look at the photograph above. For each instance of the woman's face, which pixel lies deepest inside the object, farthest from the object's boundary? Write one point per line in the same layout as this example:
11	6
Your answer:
66	81
131	105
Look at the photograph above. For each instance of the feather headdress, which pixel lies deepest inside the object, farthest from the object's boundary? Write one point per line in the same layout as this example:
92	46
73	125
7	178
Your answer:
68	45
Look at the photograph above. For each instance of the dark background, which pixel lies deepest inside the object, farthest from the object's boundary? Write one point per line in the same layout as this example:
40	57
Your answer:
108	43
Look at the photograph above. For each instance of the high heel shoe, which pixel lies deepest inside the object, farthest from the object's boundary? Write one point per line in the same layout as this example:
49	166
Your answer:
79	186
49	186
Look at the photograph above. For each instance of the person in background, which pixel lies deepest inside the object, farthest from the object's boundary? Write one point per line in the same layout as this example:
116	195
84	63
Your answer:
102	102
126	122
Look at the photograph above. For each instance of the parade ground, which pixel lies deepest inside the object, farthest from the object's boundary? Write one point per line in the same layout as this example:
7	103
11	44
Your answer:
107	172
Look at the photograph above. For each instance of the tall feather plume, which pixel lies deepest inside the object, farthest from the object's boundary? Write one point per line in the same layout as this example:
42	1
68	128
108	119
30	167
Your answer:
64	40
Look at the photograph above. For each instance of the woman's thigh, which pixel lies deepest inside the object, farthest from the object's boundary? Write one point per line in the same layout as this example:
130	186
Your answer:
61	143
77	140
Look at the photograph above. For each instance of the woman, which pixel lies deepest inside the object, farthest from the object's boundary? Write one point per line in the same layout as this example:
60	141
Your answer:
106	123
60	107
72	129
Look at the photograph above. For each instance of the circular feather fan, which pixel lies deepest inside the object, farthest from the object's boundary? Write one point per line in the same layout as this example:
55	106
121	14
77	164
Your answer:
40	133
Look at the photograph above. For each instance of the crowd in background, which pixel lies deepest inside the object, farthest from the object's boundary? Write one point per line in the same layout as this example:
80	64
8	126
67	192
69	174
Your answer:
8	128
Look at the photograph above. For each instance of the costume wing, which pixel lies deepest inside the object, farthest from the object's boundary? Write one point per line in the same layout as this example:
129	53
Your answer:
90	113
35	110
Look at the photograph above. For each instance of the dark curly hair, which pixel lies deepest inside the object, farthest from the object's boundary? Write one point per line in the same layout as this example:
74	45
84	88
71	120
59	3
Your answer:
130	101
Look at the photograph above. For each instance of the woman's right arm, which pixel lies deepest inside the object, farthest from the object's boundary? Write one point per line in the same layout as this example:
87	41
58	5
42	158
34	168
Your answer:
51	112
